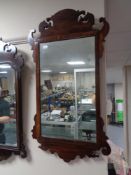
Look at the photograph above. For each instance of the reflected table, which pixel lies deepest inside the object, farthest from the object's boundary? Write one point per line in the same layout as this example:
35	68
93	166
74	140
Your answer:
65	129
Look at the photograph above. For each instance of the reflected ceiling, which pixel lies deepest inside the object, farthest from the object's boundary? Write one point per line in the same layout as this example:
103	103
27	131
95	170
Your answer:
55	55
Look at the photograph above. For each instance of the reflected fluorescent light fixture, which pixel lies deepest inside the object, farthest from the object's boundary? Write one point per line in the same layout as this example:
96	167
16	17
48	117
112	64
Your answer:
5	66
91	70
3	72
45	47
46	71
63	72
76	62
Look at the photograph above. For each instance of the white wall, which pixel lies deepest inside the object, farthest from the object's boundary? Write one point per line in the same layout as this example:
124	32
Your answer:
119	94
119	51
114	75
110	90
17	18
127	95
115	90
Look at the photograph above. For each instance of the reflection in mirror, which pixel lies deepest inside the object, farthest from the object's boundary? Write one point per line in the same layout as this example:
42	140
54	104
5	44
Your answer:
68	108
8	132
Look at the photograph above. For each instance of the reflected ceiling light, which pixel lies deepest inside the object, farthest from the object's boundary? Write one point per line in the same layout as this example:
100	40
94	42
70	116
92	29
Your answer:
45	47
46	71
3	72
5	66
76	62
63	72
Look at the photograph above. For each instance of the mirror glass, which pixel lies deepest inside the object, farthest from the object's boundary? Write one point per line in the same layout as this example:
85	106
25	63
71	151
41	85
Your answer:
67	75
8	132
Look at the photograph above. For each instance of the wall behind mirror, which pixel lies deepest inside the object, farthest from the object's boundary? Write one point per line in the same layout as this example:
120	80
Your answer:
8	133
68	89
46	8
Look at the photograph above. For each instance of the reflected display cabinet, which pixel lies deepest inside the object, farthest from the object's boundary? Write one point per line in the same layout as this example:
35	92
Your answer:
67	55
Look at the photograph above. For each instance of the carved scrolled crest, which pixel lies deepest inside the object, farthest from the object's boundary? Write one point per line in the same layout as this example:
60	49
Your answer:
67	15
7	48
87	18
66	20
9	55
69	21
45	24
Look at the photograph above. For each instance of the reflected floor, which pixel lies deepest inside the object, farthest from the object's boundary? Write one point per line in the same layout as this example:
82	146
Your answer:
65	132
116	135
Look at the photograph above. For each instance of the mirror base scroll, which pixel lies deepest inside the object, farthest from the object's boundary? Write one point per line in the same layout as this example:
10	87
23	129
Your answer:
5	154
68	152
23	152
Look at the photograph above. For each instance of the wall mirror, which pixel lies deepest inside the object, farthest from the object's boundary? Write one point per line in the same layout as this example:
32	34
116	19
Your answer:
11	136
67	55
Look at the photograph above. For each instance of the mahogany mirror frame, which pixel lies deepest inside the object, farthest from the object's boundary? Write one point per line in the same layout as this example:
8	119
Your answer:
9	55
65	25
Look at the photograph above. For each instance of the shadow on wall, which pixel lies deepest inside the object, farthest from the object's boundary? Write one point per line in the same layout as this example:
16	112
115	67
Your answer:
28	75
